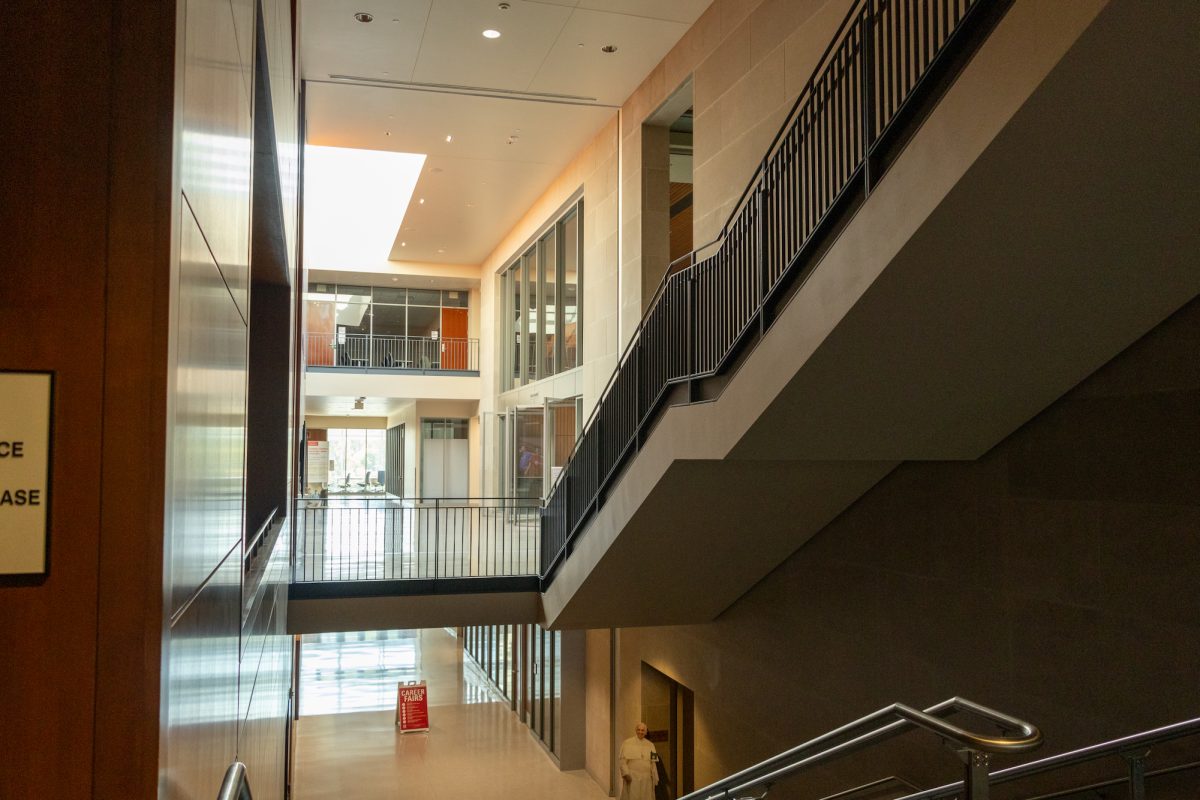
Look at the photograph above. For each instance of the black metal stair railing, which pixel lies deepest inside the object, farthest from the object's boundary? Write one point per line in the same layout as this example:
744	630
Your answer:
881	72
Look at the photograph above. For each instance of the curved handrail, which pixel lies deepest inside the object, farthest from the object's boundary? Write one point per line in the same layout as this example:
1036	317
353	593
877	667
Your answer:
1114	747
868	731
236	785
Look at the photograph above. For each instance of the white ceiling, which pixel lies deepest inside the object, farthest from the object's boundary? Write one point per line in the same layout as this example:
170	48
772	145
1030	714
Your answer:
476	187
344	406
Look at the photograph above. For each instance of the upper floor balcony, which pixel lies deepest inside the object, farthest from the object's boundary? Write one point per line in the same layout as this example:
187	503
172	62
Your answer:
417	355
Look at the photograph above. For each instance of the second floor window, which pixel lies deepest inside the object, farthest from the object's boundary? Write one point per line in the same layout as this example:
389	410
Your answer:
542	300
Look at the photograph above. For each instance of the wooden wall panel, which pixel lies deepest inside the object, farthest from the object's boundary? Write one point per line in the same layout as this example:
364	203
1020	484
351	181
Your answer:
53	206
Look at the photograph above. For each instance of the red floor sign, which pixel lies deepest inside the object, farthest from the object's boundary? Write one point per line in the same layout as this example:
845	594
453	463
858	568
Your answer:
412	707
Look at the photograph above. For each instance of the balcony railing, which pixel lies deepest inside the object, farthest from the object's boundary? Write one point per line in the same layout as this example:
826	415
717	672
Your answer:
387	540
881	73
416	353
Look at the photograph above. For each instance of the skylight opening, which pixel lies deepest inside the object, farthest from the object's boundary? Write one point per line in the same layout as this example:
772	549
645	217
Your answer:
354	204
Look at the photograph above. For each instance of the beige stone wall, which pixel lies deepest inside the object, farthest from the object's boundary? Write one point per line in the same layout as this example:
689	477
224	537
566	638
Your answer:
748	62
1052	578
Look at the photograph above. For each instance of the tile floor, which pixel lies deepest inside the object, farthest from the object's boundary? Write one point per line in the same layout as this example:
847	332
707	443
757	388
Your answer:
475	748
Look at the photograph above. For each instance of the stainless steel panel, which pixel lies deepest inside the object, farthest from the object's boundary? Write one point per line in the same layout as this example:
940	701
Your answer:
262	740
243	26
202	688
217	146
265	679
208	431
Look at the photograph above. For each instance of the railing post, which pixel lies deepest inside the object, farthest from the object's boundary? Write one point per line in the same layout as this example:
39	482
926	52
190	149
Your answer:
1137	773
975	781
868	90
437	538
693	330
764	269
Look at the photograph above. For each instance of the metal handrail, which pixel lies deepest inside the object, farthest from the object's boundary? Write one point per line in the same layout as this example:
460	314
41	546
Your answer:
394	351
975	748
1115	747
872	785
262	531
1091	787
864	96
236	785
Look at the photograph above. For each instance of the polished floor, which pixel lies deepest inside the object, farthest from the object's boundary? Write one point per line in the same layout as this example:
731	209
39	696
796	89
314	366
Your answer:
347	746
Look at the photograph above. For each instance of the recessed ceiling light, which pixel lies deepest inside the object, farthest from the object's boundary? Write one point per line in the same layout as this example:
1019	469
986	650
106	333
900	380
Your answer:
387	133
441	249
491	33
421	201
449	138
609	48
402	244
395	280
363	16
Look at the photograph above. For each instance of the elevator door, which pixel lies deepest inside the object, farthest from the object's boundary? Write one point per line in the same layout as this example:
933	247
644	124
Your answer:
444	459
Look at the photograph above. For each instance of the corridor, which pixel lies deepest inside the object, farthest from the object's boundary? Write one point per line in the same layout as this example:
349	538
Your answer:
347	747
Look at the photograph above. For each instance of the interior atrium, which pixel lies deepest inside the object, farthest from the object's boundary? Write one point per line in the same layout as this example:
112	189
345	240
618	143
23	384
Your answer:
571	399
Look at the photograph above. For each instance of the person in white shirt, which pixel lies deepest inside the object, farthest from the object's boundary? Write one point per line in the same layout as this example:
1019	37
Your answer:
639	766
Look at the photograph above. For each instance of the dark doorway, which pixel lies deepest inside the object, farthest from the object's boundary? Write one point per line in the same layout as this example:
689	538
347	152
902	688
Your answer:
668	711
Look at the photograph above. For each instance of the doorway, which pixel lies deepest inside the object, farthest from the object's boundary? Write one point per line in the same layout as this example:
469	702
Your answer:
669	714
444	459
454	338
526	451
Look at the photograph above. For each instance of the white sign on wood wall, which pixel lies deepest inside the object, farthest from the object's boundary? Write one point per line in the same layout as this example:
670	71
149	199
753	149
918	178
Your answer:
25	412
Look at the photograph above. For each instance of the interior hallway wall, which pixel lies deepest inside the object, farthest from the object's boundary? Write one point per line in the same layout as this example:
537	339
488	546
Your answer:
748	62
83	285
226	666
1053	578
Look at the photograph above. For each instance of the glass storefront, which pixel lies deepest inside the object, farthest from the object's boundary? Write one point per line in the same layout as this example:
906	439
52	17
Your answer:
523	663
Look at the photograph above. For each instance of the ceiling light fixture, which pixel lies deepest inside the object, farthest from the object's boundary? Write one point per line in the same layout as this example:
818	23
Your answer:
449	138
491	33
504	6
402	244
609	48
421	201
363	16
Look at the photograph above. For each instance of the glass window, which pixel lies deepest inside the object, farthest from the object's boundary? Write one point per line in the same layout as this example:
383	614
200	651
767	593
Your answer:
548	271
388	320
454	299
388	294
353	294
530	327
555	671
424	297
512	322
568	295
528	466
540	292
